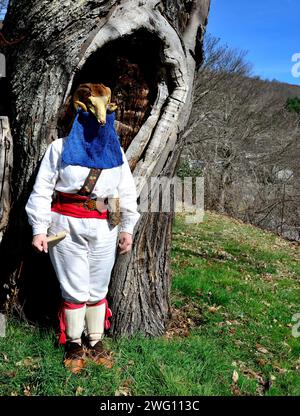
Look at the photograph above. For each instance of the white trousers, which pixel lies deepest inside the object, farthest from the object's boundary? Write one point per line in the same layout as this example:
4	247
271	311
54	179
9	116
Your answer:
84	259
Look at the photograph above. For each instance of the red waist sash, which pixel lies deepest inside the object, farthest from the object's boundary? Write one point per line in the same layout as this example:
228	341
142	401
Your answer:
74	205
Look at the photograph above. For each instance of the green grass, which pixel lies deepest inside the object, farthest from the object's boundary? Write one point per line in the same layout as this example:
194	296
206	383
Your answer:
235	289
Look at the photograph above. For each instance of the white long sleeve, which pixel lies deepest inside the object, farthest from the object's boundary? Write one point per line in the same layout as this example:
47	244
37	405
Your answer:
54	175
38	207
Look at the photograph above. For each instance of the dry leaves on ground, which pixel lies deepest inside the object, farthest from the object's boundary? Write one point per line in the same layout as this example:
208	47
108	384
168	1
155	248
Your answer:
125	388
28	362
182	320
213	309
261	349
263	384
79	390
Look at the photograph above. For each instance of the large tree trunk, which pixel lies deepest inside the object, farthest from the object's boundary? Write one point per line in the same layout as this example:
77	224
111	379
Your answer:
6	164
146	52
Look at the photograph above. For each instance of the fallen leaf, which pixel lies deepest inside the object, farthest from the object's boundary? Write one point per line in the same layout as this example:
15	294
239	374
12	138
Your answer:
235	390
107	362
280	370
127	382
124	389
261	349
261	361
79	390
28	362
122	392
213	309
10	374
27	391
235	376
264	386
5	357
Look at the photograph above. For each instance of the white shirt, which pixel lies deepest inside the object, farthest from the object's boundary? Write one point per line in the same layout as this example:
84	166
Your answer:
53	175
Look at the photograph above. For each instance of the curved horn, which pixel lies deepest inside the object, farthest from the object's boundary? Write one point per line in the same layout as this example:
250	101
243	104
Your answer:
82	91
78	104
112	107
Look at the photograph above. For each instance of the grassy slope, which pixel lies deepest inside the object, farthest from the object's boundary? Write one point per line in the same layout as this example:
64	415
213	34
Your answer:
235	289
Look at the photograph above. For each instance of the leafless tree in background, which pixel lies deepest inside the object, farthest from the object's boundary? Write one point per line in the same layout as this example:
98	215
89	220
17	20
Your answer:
247	141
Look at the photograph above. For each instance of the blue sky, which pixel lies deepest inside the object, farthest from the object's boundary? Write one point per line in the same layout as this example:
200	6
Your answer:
2	13
267	29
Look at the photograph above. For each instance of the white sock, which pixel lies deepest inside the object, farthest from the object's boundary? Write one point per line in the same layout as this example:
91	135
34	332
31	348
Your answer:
75	324
94	318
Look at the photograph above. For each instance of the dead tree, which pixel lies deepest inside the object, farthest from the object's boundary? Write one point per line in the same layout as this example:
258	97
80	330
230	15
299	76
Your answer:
146	52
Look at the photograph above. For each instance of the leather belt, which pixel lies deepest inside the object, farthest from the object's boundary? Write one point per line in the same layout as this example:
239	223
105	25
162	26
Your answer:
89	203
81	201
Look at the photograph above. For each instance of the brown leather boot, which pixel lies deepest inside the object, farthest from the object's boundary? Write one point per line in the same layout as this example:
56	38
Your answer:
74	358
100	355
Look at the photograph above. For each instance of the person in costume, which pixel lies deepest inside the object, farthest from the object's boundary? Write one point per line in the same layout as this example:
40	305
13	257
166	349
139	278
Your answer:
69	195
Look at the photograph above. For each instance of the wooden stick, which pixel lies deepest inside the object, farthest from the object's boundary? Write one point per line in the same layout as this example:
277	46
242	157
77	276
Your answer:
59	236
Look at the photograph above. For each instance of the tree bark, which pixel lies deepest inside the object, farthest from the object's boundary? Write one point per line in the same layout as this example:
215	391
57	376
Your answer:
146	52
6	164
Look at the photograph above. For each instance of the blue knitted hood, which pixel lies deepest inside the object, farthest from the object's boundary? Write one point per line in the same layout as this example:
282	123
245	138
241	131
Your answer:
91	145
